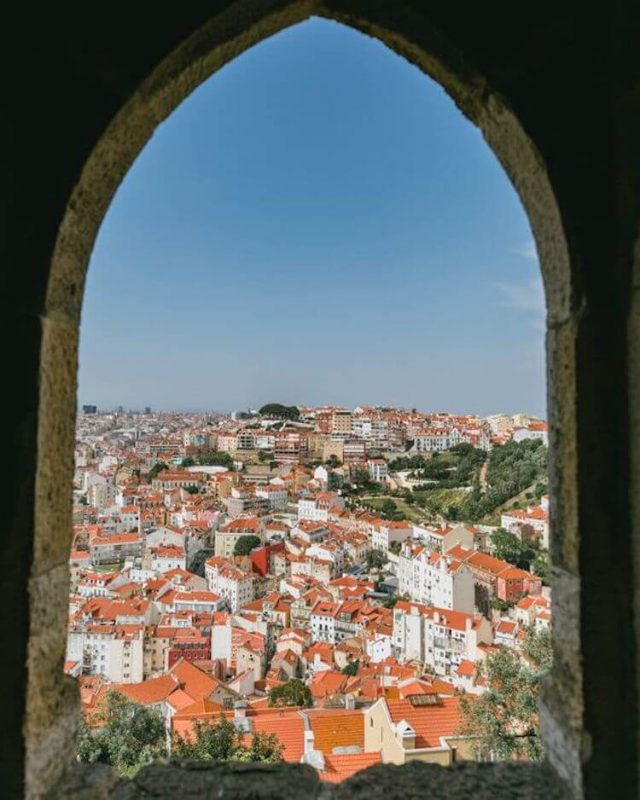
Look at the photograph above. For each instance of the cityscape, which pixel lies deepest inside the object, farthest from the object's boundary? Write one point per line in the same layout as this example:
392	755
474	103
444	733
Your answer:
308	580
338	587
324	420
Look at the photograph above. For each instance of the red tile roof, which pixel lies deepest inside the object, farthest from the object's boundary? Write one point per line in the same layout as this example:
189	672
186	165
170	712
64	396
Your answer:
431	722
336	728
338	768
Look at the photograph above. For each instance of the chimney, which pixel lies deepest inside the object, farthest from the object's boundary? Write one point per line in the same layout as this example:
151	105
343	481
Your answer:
240	709
309	742
311	756
349	702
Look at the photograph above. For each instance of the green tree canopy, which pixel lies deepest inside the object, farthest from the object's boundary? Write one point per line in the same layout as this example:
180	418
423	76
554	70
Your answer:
160	466
507	545
130	736
222	741
504	721
246	544
361	476
351	668
389	508
212	458
279	411
540	566
294	692
511	548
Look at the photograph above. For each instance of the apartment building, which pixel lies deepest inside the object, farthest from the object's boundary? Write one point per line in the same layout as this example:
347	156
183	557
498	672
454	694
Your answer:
229	582
437	638
435	579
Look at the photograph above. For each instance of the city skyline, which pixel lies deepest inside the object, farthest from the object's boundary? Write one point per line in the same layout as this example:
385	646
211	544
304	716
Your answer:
316	224
120	408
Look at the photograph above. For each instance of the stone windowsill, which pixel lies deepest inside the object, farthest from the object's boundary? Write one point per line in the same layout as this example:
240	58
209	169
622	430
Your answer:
504	781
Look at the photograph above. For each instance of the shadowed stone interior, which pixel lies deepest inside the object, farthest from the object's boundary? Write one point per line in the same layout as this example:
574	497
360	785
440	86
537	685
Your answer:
555	91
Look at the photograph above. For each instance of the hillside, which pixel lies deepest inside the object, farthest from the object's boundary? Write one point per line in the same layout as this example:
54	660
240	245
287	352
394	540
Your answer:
467	484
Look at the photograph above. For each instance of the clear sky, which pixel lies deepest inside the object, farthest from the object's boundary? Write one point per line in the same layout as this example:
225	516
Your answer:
317	223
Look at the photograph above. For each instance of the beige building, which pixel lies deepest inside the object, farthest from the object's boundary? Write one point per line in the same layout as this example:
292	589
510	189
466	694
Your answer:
420	727
331	448
253	658
341	422
226	537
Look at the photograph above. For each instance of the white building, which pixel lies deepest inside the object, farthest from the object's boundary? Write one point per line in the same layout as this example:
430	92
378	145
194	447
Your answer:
378	470
433	440
232	584
534	517
437	637
323	621
328	551
435	579
277	496
316	508
166	557
198	602
385	533
534	430
115	652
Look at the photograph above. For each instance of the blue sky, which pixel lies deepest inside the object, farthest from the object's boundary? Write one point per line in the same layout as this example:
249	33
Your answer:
317	223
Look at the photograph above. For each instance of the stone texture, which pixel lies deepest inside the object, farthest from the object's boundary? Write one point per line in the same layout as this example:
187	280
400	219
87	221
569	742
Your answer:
53	700
556	99
193	780
417	781
414	781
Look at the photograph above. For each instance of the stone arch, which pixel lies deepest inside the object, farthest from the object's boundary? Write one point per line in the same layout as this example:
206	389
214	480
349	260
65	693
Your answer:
52	704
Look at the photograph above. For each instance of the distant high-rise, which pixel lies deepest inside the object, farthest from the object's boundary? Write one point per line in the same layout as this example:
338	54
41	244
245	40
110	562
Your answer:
120	410
89	409
147	409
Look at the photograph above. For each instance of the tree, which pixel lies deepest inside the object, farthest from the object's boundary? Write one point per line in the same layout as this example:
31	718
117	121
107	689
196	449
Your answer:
333	461
351	668
540	566
264	456
395	547
506	545
221	741
376	559
503	606
192	489
130	737
504	721
389	508
246	544
511	548
187	462
212	458
160	466
361	476
279	411
294	692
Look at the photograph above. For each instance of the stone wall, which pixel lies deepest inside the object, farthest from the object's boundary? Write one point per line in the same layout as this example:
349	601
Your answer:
555	91
414	781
